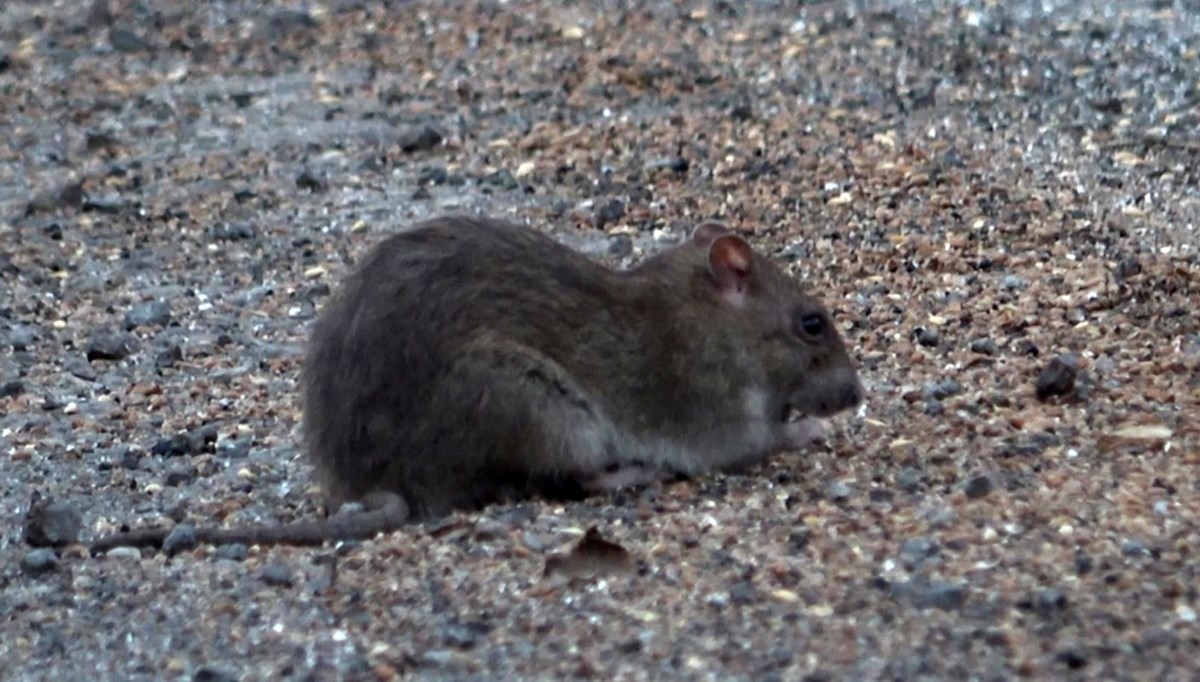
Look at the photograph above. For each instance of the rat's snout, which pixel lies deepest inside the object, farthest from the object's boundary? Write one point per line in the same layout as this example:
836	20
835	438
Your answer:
838	391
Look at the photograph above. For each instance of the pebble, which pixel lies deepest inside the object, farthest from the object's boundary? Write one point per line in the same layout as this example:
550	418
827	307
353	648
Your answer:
12	389
978	487
1014	283
38	561
915	550
609	212
188	443
984	346
1049	601
1057	378
233	552
110	345
52	524
910	480
928	337
947	388
127	42
418	138
675	164
123	553
276	574
211	674
80	368
156	313
939	594
69	195
501	179
310	181
839	491
180	539
22	336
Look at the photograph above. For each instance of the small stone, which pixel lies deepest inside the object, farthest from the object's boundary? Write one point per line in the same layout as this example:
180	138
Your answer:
123	553
984	346
80	368
12	389
210	674
934	407
156	313
168	357
277	574
180	539
978	487
233	552
51	524
110	345
433	175
191	442
490	529
743	593
609	212
310	181
22	336
1134	549
928	337
38	561
915	550
69	195
501	179
126	42
1014	283
620	245
233	232
910	480
939	594
798	539
1049	601
1057	377
418	138
840	491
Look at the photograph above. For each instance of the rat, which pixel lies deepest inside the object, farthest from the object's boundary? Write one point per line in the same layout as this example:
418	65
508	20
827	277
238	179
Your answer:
470	360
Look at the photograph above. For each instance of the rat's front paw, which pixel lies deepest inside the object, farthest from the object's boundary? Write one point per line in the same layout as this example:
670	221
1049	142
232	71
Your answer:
804	432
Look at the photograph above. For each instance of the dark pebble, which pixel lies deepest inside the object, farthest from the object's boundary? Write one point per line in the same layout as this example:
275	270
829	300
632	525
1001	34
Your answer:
54	199
38	561
233	232
179	475
1134	549
433	175
1072	658
743	593
928	337
915	550
421	194
501	179
52	524
620	245
188	443
910	480
310	181
168	357
941	390
798	539
12	389
242	99
210	674
110	345
22	336
934	407
1049	601
609	212
984	346
1057	377
126	42
418	138
234	551
277	574
939	594
978	487
148	314
1014	283
282	24
80	368
107	203
180	539
459	636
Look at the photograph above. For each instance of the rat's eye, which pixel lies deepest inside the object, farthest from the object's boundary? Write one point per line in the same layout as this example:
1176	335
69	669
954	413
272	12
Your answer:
811	324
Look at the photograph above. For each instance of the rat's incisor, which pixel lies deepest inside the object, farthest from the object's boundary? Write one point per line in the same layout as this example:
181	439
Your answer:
469	360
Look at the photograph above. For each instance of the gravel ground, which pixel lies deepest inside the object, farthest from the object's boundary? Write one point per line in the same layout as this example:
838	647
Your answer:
1000	199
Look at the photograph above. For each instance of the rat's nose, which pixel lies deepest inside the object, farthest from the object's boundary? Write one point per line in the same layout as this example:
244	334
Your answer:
845	392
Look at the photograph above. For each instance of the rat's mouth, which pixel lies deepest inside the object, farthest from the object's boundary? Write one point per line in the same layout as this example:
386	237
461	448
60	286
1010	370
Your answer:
791	413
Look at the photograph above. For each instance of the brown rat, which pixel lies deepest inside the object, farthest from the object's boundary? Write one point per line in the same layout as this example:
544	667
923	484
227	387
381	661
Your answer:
470	360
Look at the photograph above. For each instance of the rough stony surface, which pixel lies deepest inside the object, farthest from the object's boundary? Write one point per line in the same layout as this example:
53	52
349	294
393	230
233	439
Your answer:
980	189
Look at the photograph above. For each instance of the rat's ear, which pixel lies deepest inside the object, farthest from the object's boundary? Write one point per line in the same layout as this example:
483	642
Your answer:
707	233
731	260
